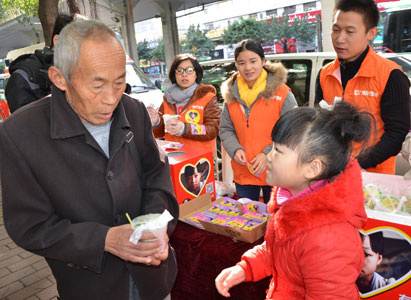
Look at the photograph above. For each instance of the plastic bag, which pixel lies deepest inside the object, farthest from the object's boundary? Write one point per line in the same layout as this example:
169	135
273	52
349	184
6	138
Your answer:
167	118
224	189
406	153
387	193
155	223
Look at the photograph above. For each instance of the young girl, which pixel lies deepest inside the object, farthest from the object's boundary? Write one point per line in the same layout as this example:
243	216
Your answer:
312	247
255	97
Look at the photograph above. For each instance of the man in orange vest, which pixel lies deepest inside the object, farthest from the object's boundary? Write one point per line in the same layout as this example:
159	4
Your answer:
365	79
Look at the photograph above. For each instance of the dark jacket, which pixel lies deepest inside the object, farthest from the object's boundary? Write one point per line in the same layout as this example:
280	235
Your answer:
29	78
61	194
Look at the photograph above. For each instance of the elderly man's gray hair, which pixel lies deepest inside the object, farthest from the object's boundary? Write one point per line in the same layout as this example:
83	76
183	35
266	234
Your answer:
67	49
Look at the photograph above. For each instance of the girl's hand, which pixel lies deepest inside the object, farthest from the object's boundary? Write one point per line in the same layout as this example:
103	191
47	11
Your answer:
259	163
239	157
229	278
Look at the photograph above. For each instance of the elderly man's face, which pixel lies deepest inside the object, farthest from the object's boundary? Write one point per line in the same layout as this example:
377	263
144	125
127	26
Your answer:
98	81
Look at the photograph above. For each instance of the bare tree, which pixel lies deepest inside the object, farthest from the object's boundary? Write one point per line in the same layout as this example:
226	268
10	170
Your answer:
48	11
93	9
73	7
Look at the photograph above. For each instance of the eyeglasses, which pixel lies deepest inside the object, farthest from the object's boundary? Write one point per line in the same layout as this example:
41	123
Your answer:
188	71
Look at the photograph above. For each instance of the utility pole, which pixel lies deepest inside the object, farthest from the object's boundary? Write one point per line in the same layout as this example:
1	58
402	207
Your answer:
327	9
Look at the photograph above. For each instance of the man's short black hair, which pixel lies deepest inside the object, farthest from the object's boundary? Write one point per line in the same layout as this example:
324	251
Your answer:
367	8
61	21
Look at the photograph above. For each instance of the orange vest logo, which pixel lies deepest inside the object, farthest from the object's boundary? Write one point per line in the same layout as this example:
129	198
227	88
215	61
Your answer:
365	93
192	116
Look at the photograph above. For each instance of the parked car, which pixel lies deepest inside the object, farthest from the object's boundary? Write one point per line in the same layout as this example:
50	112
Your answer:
303	69
3	81
141	87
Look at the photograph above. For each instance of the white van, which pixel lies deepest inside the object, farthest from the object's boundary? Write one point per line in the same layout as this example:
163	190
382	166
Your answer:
302	72
141	87
302	68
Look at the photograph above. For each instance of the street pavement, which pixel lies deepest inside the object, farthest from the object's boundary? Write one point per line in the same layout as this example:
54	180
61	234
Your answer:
23	275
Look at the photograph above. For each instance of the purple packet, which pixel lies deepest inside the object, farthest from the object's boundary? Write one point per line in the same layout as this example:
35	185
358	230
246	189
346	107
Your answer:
217	208
250	225
228	202
220	219
231	211
238	222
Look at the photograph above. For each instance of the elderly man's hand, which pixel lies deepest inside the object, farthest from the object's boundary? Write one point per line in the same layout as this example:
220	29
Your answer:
147	250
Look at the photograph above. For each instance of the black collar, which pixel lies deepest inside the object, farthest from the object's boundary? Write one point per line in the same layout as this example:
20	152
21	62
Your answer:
349	69
65	122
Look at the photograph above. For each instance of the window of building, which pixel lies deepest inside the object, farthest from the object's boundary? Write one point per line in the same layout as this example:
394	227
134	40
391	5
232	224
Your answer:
310	6
253	16
289	10
271	13
209	26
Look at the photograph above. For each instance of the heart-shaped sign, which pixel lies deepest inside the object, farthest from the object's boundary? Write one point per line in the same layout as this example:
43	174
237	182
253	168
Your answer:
387	263
192	116
193	178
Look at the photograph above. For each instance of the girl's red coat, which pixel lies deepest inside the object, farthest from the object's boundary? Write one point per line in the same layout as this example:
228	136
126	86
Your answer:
317	250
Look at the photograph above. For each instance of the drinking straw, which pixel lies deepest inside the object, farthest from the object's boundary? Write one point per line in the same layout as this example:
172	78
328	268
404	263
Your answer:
131	222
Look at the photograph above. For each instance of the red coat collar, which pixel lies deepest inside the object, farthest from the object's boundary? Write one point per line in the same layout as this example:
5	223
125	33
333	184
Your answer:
342	200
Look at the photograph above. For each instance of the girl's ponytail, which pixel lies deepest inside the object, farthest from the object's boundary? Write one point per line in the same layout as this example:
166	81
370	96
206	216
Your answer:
350	124
317	132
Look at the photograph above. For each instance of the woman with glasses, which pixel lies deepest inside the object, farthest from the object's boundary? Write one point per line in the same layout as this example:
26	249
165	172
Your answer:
255	98
189	113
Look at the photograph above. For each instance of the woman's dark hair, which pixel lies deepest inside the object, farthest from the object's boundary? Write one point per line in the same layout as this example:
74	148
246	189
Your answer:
367	8
178	60
250	45
322	133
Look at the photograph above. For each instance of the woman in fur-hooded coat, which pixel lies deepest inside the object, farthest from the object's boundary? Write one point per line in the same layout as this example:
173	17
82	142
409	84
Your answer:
247	125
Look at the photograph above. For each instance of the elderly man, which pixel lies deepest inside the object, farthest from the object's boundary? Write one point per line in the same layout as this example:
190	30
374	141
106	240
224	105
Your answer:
73	163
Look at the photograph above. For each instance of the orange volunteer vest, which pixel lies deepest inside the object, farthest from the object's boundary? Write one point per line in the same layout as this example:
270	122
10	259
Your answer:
193	115
364	91
254	134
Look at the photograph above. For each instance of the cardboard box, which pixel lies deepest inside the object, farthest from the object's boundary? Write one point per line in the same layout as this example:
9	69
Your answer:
192	171
203	203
